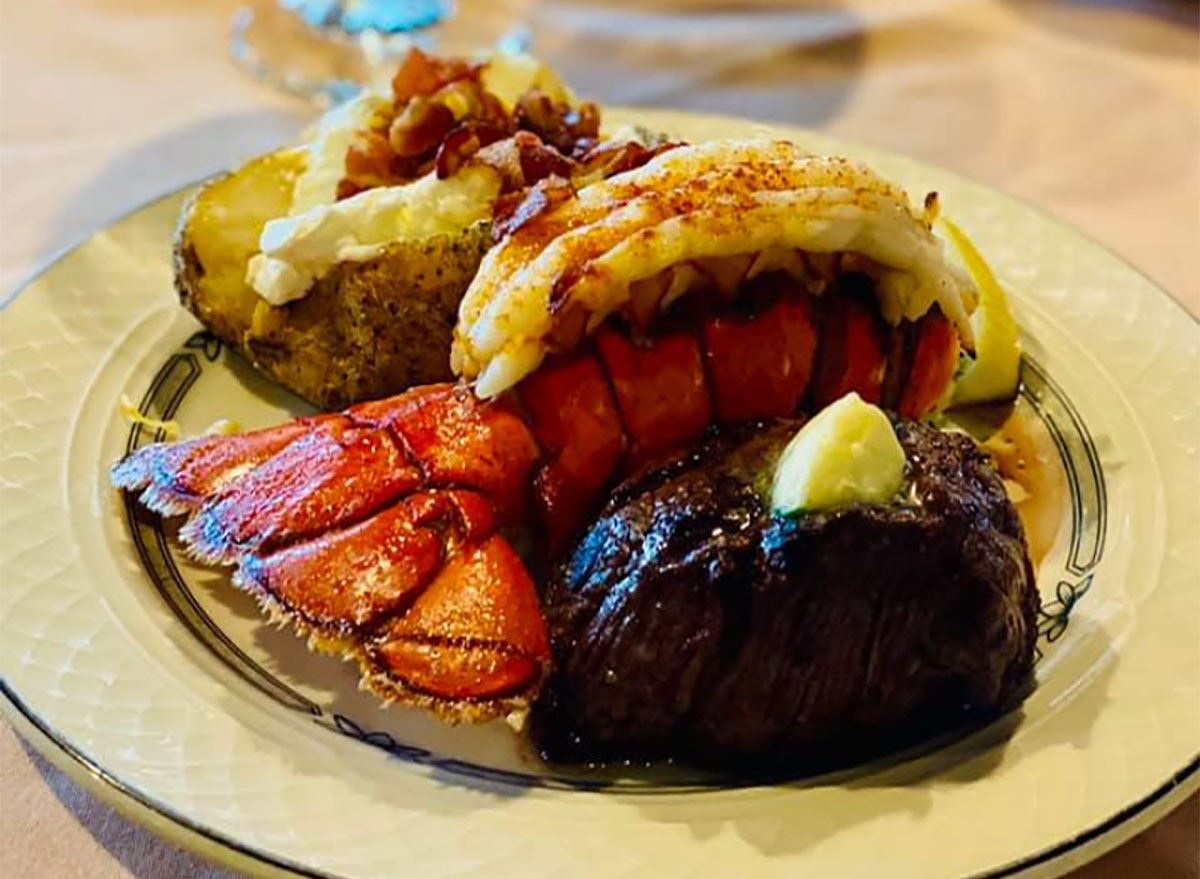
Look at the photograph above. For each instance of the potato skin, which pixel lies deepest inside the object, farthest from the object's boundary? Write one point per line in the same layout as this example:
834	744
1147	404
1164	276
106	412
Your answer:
365	330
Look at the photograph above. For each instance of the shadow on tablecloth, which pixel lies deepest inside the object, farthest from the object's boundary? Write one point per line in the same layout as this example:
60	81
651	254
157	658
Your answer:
139	851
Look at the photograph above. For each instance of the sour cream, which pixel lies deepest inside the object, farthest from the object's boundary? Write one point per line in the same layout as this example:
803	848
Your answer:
296	250
325	162
321	232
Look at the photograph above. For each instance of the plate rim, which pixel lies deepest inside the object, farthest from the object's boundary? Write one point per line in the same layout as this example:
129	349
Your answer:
159	818
1089	844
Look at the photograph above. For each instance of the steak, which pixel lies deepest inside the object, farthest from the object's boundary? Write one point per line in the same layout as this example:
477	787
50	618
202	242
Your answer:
691	624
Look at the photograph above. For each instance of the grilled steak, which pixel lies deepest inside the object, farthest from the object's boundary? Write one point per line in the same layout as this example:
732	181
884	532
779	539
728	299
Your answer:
691	624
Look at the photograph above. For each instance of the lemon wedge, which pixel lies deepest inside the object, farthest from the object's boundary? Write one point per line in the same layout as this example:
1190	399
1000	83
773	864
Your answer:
995	371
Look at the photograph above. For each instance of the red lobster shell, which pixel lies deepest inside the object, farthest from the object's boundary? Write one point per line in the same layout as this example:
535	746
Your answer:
382	532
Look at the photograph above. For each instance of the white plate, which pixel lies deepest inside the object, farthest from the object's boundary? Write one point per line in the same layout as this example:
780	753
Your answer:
164	690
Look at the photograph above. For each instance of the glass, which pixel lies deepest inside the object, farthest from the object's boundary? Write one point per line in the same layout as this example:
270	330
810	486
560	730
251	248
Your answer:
328	49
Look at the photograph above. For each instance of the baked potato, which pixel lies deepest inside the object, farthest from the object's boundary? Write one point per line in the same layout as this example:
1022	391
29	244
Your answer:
337	265
366	329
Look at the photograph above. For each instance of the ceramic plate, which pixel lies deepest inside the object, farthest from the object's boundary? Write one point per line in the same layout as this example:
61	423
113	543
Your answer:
161	687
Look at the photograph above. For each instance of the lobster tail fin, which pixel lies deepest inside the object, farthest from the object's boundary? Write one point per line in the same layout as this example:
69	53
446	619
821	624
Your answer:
175	478
375	532
475	633
336	474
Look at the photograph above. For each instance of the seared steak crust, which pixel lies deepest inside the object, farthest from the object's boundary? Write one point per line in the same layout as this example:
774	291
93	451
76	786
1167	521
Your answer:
691	624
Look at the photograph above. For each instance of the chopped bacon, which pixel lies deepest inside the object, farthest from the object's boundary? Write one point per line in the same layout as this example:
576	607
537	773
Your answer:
516	209
523	160
556	122
442	117
616	157
371	161
505	157
461	144
492	112
347	188
420	127
539	161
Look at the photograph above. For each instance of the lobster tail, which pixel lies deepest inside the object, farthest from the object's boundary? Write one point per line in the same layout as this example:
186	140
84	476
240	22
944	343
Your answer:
376	532
608	328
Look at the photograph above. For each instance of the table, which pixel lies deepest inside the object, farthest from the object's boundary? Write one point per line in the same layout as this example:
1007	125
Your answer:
1090	110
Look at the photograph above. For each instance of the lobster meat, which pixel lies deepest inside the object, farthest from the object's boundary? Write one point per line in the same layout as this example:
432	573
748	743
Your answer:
385	532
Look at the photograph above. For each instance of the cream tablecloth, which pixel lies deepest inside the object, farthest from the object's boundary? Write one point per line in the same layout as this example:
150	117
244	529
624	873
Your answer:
1090	110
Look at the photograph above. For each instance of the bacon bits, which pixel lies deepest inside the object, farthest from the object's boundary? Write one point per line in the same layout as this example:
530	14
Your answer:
421	127
442	116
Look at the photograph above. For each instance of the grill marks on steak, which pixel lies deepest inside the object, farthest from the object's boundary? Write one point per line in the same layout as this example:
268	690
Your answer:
691	624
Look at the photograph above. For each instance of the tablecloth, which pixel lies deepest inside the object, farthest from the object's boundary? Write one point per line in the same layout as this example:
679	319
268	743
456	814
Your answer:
1089	109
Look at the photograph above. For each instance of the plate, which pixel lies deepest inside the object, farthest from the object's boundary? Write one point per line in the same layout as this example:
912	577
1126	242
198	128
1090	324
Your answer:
166	692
